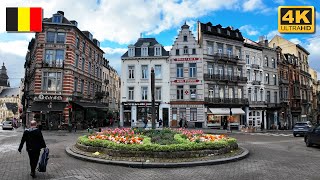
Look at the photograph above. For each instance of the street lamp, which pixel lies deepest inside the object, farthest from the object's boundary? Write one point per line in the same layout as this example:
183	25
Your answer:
152	97
48	112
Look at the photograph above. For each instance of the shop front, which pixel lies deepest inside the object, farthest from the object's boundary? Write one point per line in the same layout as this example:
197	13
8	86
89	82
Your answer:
192	113
221	118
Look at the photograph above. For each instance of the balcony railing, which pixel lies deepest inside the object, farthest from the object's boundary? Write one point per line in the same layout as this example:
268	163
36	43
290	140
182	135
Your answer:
272	105
257	102
255	66
219	77
284	81
226	100
227	57
55	64
256	82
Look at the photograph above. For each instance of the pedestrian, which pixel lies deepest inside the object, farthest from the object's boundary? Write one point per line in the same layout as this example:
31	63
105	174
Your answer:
160	122
34	143
145	123
180	122
75	127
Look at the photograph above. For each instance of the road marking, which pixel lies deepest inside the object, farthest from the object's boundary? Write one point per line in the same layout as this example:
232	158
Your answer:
271	134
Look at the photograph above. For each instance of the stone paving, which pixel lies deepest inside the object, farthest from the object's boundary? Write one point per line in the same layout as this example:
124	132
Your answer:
271	157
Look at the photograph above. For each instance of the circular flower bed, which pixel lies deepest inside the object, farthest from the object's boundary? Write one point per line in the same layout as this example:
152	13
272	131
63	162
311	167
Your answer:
137	142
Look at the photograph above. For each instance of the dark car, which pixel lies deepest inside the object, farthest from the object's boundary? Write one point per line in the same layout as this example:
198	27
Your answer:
313	136
300	128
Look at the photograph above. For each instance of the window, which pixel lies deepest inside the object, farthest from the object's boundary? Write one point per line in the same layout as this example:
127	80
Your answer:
239	53
193	91
193	114
240	71
144	71
193	51
185	50
83	46
177	52
255	96
261	94
267	78
83	63
61	37
230	71
248	59
266	61
75	88
57	19
220	49
275	97
210	70
82	85
77	61
249	94
54	58
229	51
131	52
50	37
90	52
228	33
179	70
211	93
237	34
77	42
144	93
274	79
210	48
157	71
248	74
144	51
219	30
273	63
131	72
157	51
192	70
185	38
52	81
239	93
231	93
131	93
158	93
268	96
88	89
209	28
179	92
221	92
89	67
220	71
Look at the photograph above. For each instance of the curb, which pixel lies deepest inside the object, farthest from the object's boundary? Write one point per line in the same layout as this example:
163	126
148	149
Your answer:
159	165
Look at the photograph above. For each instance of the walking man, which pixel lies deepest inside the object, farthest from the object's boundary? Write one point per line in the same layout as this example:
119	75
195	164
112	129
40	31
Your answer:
34	142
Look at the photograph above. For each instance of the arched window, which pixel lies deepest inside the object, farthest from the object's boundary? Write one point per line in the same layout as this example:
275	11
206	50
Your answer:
185	50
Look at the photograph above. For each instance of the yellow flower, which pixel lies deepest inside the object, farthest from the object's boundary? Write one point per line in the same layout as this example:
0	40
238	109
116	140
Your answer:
96	153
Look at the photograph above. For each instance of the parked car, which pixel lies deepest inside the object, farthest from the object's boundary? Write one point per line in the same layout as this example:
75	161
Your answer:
313	136
300	128
7	125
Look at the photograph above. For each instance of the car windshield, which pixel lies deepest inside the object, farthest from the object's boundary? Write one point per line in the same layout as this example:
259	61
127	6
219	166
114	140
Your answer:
301	124
7	122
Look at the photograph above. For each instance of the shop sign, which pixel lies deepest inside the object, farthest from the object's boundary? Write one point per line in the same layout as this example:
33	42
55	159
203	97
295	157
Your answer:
140	104
186	81
42	97
187	59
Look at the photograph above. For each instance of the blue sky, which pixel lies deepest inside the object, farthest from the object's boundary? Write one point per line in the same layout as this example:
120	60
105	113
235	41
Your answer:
119	23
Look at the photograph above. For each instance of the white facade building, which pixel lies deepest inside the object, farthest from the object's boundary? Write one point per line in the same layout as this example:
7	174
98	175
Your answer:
256	112
136	66
186	77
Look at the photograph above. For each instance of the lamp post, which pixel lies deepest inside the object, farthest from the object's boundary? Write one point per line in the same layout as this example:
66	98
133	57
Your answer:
48	113
153	101
229	127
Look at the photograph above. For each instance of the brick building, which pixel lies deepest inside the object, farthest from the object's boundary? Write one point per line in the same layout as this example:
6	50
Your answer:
63	75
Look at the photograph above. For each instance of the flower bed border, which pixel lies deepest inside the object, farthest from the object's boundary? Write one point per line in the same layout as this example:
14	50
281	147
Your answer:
158	154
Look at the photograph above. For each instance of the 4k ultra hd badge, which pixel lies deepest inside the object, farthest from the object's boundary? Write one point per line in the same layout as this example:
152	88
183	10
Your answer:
296	19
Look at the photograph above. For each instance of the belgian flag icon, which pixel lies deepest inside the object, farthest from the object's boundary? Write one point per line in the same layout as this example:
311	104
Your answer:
23	19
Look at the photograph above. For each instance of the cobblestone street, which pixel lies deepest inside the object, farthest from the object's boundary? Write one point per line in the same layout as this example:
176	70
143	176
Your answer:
271	157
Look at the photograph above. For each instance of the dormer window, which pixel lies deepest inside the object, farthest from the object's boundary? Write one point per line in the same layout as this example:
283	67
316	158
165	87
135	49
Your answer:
237	34
209	28
57	19
144	51
219	30
131	52
157	51
228	32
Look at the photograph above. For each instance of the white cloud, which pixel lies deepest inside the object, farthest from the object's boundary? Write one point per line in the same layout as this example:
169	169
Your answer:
252	5
249	30
167	48
17	47
313	46
271	34
295	40
14	65
279	1
317	15
111	51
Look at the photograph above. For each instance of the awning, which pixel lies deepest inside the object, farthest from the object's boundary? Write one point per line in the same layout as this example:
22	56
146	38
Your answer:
237	111
102	107
44	106
220	111
226	111
86	104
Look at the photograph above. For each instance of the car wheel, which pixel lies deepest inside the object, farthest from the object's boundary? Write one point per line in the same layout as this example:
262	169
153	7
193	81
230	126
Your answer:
308	143
294	135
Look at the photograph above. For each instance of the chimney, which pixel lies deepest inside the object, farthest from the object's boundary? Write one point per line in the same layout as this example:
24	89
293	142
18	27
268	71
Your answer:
74	23
61	12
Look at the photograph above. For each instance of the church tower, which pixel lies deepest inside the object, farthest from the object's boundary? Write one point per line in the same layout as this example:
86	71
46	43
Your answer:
4	77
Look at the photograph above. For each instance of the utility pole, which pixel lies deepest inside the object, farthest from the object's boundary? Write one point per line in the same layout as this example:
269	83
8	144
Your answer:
152	97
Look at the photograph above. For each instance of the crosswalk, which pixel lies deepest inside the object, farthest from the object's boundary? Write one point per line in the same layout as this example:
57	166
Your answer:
271	134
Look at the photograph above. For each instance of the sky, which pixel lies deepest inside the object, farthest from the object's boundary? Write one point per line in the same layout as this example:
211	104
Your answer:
118	23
